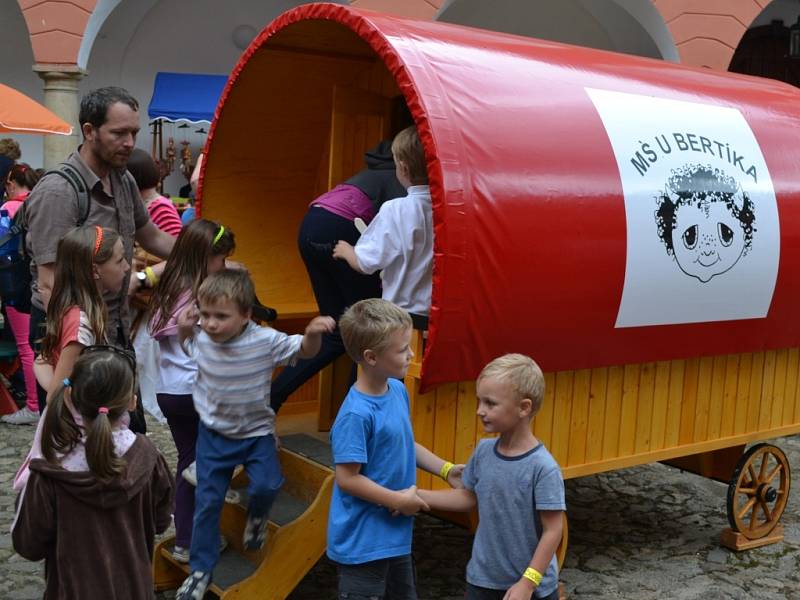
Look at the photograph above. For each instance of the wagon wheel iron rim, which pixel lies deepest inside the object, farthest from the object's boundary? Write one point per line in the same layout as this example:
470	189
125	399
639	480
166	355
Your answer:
758	491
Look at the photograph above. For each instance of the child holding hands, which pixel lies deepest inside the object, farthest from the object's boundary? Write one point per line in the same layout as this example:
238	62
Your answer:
517	487
235	359
374	498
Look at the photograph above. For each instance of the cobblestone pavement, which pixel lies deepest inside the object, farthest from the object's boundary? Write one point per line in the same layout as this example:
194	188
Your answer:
641	533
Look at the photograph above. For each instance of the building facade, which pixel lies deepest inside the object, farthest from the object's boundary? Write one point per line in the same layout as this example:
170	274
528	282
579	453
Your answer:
54	50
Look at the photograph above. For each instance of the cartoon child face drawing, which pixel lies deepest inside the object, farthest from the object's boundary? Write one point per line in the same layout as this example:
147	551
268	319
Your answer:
705	221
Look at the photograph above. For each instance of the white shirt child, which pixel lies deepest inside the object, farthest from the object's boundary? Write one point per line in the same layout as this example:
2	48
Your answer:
399	240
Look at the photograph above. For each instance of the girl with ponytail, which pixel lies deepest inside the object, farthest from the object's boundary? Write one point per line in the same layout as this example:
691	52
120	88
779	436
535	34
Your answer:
99	489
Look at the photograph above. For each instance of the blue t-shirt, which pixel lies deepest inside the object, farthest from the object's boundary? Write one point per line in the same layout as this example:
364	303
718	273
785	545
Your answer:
510	491
374	431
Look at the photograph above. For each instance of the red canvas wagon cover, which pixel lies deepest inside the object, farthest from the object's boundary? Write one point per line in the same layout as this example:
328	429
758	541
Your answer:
590	208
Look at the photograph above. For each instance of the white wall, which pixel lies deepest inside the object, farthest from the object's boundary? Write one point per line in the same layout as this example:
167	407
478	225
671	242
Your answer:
141	37
16	61
629	26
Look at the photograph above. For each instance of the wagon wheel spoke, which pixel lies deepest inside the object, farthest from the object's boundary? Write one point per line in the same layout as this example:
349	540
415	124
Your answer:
765	508
747	491
753	519
763	469
752	473
747	506
774	472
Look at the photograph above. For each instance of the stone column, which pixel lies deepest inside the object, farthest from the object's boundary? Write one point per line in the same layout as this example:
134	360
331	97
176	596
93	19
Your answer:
61	96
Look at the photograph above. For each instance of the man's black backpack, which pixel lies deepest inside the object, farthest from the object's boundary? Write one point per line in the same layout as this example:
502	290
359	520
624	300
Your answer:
15	266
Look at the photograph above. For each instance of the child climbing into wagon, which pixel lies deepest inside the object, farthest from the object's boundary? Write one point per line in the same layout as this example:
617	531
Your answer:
235	359
517	487
399	240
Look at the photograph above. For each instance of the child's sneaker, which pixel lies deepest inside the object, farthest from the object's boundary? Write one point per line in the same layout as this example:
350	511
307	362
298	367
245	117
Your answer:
181	554
255	533
190	474
194	586
24	416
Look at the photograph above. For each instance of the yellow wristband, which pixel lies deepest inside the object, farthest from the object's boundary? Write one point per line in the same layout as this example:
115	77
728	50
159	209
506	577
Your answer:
445	470
533	575
152	278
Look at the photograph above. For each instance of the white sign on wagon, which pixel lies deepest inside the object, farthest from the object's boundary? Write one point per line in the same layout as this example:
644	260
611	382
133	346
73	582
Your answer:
703	238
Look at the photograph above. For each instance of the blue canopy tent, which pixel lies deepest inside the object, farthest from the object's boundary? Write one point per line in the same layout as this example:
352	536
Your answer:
185	97
182	97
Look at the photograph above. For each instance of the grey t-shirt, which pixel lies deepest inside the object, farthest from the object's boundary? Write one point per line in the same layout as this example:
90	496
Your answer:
52	210
510	490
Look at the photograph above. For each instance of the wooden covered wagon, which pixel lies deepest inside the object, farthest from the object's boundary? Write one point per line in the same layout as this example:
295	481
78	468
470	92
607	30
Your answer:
631	224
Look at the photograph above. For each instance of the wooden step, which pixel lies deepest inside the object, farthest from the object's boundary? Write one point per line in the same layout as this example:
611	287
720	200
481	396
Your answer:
297	530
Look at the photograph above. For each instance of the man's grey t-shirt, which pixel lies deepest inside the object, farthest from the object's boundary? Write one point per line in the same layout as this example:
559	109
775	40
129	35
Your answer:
52	210
510	490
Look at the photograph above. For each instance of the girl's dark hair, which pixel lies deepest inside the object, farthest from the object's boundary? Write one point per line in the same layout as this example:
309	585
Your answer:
187	266
74	283
102	379
23	175
144	169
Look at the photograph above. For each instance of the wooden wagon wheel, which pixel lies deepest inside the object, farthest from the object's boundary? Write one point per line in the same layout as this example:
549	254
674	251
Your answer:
758	491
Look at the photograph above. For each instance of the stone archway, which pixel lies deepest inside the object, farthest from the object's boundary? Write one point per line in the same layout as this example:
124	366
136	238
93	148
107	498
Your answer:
764	47
707	32
629	26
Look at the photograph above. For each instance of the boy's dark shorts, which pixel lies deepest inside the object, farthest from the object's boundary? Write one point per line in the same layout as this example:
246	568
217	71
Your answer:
478	593
386	579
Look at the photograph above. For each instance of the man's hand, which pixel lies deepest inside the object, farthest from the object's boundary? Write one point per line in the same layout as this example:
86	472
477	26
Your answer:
409	503
522	590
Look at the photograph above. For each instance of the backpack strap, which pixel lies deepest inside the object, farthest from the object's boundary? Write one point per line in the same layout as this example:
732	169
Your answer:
78	184
16	228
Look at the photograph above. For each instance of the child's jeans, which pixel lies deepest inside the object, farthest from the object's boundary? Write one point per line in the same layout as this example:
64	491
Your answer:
217	456
183	421
479	593
387	579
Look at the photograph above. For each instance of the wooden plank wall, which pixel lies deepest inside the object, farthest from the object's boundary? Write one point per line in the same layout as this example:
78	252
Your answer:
597	420
360	134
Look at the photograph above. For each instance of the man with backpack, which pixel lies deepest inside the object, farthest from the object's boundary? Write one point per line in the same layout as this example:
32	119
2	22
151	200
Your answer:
109	121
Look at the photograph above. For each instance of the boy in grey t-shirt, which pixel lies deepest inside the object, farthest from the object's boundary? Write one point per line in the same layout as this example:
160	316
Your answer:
517	486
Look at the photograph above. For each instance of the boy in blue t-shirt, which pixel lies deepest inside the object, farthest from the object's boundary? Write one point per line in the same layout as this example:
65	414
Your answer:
513	555
375	496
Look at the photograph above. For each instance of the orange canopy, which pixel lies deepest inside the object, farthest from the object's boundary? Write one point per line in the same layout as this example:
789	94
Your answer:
20	114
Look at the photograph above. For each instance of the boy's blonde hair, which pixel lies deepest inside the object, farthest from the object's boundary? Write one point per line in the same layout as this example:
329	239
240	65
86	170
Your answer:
368	324
407	148
522	374
229	284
